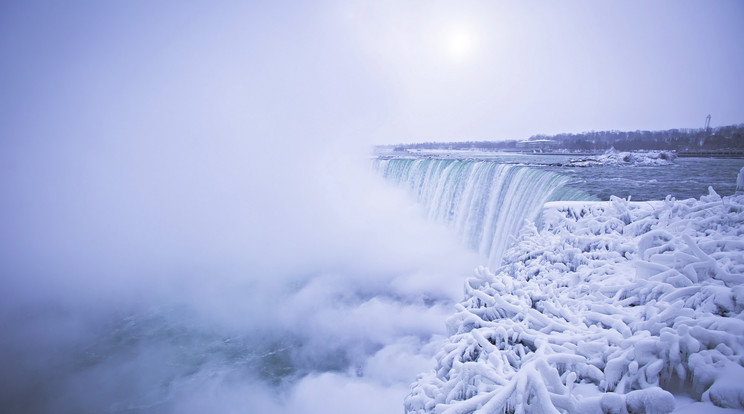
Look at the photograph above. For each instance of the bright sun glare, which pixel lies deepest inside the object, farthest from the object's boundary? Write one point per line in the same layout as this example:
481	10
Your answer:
459	44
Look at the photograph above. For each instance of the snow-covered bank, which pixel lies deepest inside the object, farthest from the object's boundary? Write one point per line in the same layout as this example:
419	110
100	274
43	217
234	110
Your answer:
608	307
614	157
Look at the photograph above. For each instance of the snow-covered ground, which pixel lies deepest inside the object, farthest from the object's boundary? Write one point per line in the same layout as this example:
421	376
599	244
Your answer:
618	306
614	157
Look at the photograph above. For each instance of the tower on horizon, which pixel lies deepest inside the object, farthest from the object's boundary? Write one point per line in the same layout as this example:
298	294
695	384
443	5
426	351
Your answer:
707	130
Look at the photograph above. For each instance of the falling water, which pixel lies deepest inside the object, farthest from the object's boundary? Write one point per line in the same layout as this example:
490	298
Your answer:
486	202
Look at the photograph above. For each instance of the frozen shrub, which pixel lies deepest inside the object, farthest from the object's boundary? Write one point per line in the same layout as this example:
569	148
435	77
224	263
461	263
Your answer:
604	309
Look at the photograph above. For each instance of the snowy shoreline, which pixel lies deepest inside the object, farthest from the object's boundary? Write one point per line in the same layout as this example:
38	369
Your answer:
613	157
612	306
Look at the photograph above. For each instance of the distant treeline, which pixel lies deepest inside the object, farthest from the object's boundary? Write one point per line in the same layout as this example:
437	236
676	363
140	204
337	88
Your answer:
725	138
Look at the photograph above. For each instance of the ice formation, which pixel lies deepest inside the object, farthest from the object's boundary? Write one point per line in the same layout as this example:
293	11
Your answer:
606	307
614	157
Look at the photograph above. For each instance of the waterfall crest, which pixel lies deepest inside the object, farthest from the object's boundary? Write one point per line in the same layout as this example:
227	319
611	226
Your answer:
486	202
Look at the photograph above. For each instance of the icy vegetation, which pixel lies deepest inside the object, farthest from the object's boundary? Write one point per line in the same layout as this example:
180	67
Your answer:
606	307
614	157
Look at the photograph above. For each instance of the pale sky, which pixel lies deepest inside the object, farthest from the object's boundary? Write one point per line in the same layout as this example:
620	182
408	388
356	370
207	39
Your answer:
367	71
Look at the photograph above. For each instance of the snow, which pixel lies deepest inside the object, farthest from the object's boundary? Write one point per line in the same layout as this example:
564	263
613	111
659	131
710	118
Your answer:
686	405
614	157
617	306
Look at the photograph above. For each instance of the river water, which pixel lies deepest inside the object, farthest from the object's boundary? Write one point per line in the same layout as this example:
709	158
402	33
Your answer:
685	178
682	178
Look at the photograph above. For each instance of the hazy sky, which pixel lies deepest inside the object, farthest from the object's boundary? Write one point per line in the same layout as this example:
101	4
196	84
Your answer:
370	72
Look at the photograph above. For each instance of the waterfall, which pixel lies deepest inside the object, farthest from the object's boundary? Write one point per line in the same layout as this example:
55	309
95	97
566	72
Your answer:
486	202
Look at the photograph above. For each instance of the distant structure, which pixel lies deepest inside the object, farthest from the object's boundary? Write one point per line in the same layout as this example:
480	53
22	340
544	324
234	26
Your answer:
537	144
707	130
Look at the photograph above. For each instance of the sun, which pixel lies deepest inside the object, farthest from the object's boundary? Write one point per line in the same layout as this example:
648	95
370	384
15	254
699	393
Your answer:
459	44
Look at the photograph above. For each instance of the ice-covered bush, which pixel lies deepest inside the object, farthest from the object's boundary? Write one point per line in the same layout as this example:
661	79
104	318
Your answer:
609	307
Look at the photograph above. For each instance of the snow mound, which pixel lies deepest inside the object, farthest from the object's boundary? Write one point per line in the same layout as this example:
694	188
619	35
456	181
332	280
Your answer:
740	180
609	307
614	157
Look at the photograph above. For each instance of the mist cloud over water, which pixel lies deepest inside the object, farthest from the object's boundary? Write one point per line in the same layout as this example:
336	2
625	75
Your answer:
182	233
218	284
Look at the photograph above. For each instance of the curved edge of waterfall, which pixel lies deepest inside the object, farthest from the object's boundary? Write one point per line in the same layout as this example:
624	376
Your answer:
485	202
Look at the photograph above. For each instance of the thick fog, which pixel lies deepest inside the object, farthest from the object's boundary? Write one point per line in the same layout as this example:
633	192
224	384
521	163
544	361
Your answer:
186	227
295	281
